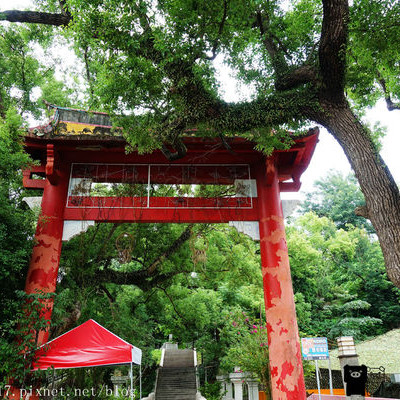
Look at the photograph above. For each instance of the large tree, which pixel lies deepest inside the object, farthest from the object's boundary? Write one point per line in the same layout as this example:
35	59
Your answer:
309	61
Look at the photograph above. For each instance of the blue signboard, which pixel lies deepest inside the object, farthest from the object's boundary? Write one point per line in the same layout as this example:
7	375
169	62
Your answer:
315	348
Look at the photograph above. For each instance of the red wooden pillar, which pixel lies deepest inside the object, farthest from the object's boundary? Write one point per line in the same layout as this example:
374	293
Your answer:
43	268
287	378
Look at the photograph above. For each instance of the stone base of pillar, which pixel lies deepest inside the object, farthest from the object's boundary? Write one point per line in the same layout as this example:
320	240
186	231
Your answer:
237	378
252	385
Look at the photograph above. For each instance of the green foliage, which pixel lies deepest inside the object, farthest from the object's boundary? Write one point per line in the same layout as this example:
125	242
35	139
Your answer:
19	69
156	356
12	157
27	80
339	278
337	197
344	258
249	349
16	225
17	355
373	71
211	391
152	64
19	313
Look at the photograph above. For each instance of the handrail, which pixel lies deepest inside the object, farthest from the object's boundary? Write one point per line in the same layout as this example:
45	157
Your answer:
162	357
155	386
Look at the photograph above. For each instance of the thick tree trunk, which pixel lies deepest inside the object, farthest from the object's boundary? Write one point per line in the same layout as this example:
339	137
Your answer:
377	184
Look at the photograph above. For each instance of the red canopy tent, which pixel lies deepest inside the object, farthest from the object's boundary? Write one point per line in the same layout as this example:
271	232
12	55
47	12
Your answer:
88	345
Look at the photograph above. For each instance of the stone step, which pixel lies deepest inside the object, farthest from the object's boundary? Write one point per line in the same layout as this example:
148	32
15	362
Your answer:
174	396
174	385
178	363
175	389
177	377
177	370
177	382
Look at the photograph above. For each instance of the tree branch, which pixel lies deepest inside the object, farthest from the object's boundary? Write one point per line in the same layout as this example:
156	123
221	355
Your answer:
108	294
220	30
2	108
137	278
145	278
362	211
299	76
277	109
184	320
286	78
185	235
180	150
389	103
143	301
278	61
36	17
111	299
106	242
64	8
88	75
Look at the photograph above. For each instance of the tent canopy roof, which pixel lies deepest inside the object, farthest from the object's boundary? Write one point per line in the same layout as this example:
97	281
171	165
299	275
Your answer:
87	345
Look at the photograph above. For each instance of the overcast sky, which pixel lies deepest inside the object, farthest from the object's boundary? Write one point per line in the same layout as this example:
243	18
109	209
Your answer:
328	154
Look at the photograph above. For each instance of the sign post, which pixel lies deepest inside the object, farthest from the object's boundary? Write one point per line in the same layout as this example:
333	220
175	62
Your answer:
330	376
317	349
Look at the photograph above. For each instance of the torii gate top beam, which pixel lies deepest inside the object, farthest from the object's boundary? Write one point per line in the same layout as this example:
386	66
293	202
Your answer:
95	153
89	137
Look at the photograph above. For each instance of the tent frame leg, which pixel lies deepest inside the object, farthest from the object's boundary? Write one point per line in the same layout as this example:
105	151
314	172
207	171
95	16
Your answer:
131	381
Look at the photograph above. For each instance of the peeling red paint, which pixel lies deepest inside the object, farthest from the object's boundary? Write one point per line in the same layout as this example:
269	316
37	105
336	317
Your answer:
287	369
270	330
291	394
42	243
274	371
283	330
39	277
273	289
298	353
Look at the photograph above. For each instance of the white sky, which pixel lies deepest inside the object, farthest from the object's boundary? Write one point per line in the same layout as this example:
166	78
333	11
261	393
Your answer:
328	154
14	4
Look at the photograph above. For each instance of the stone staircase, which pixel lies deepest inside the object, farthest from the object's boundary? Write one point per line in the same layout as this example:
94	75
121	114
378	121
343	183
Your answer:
176	378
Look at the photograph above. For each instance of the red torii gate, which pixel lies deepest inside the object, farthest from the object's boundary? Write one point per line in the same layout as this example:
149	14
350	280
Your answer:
78	150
